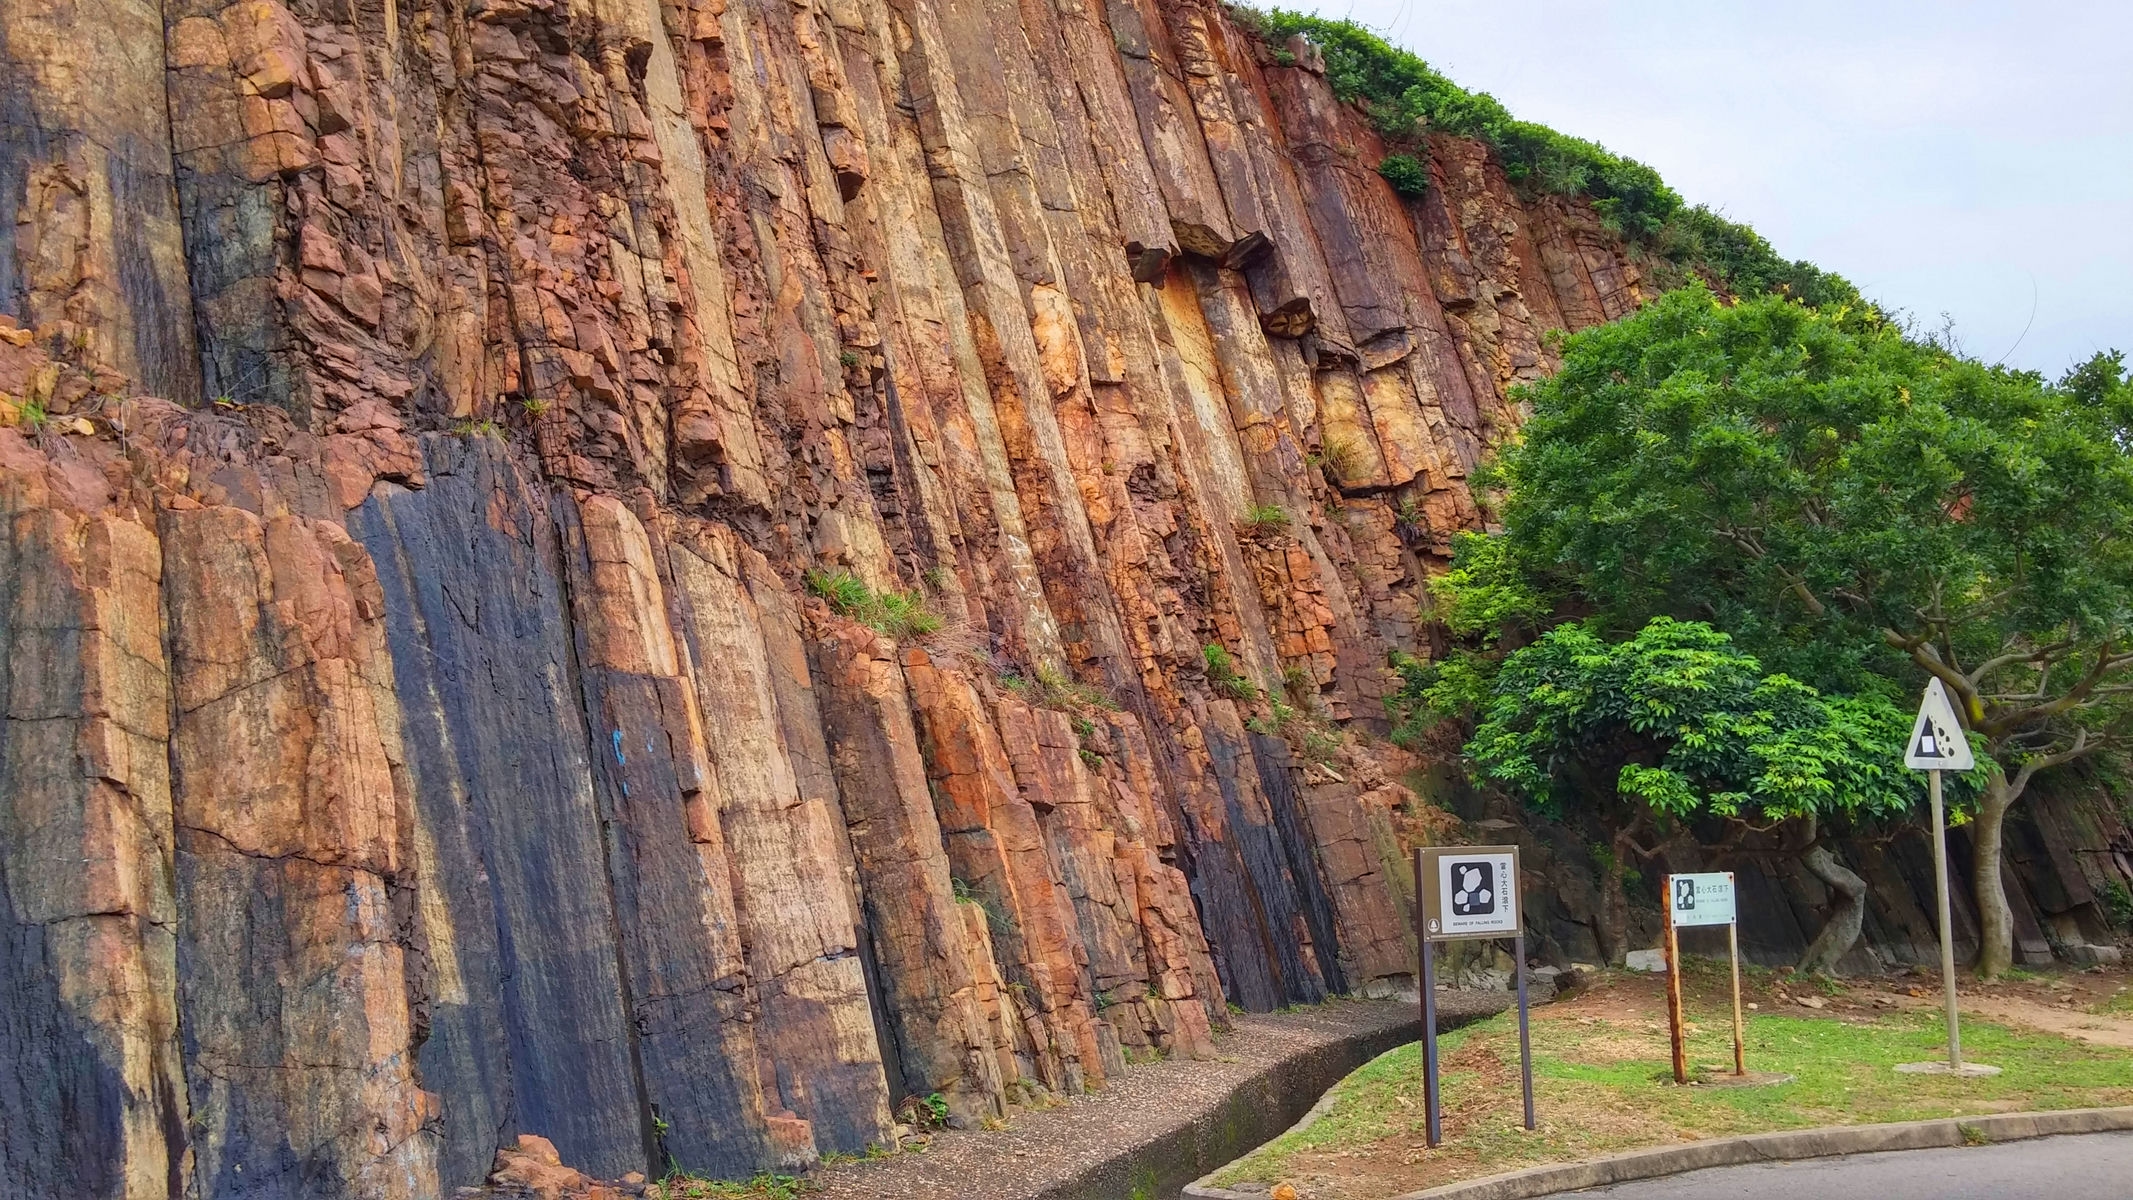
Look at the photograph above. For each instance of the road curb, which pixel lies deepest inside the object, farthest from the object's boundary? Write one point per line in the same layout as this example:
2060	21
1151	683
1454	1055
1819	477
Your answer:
1784	1146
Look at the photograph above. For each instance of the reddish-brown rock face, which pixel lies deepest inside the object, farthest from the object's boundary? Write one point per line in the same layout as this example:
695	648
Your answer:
420	739
421	736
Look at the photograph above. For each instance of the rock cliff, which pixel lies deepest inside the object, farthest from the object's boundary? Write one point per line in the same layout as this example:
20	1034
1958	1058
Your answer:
423	421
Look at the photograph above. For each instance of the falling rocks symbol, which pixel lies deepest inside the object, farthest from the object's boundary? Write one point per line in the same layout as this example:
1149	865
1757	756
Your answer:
1937	742
1477	888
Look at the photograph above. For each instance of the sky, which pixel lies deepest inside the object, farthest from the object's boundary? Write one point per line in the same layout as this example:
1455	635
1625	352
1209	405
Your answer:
1967	163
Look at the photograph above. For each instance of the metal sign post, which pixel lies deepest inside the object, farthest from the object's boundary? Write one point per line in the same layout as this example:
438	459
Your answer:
1705	899
1938	744
1525	1032
1429	1045
1947	943
1466	893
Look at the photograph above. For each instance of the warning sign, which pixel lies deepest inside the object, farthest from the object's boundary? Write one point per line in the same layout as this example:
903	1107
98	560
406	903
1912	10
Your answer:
1475	892
1937	741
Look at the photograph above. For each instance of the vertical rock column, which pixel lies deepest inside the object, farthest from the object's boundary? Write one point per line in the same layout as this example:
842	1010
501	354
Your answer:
933	374
323	163
999	250
996	846
1091	842
685	976
1594	281
946	1024
292	818
528	1032
92	258
92	1095
815	1032
236	75
1473	265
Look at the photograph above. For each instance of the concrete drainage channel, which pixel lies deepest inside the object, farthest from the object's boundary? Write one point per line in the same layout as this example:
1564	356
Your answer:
1255	1111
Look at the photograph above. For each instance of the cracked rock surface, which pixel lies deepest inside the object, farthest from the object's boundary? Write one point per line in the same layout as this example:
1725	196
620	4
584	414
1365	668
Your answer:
421	422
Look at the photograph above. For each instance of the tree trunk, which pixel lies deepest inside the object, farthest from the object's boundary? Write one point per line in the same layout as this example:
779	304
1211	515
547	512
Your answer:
1613	932
1995	952
1847	911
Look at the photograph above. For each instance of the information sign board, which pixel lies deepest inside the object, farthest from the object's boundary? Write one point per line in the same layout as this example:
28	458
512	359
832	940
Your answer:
1469	892
1705	899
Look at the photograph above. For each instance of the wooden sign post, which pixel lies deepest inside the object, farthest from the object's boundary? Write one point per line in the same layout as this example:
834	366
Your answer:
1740	1059
1465	893
1705	899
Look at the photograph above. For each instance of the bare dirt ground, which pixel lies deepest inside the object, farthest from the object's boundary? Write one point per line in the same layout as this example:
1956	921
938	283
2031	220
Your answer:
2094	1008
2092	1004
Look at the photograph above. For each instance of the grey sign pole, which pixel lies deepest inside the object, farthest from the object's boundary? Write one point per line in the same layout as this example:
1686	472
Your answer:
1525	1035
1429	1045
1947	929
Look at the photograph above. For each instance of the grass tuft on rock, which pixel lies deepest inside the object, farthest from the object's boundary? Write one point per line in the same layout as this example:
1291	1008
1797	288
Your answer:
896	614
1051	687
1264	521
1223	676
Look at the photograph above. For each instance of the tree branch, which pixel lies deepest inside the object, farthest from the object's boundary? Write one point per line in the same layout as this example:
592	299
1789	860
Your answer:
1926	656
2045	762
2037	655
1798	587
2078	696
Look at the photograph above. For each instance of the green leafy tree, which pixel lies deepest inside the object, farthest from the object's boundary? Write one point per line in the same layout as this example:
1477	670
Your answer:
1860	509
1677	729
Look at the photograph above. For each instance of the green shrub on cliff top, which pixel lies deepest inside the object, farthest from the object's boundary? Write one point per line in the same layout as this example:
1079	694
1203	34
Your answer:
1406	99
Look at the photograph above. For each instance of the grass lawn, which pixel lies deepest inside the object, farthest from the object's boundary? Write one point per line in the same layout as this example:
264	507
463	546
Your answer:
1604	1083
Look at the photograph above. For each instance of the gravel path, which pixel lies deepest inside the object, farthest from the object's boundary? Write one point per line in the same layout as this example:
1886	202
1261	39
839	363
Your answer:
1046	1153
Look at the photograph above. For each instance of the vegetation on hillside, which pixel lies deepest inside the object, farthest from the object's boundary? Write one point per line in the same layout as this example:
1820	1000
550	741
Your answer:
1857	509
1675	727
1406	99
1406	173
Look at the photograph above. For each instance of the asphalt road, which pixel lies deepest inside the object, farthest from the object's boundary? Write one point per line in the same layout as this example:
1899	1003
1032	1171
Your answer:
2091	1166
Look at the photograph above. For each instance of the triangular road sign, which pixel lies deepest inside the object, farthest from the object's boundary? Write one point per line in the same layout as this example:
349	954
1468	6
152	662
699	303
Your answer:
1937	741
